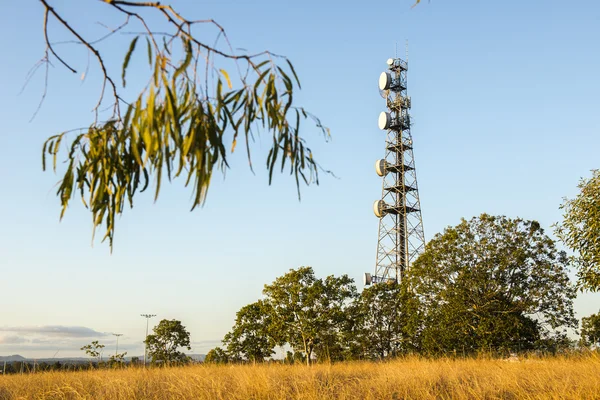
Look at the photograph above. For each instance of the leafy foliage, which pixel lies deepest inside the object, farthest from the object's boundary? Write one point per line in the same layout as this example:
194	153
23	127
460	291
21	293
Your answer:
182	124
580	231
168	337
299	310
250	337
492	282
118	360
94	350
386	321
309	313
590	330
216	356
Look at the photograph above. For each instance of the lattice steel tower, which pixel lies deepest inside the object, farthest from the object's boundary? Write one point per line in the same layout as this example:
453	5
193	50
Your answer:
401	237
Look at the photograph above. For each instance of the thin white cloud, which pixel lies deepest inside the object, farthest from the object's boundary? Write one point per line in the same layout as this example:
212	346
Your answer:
47	340
12	339
54	331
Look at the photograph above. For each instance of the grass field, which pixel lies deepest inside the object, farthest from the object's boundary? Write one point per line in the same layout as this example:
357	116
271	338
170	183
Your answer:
413	378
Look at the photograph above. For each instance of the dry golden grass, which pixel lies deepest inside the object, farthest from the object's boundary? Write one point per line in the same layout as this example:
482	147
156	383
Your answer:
413	378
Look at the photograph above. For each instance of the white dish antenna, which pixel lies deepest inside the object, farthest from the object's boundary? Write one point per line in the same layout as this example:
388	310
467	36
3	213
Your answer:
385	120
390	61
385	80
368	279
381	167
379	208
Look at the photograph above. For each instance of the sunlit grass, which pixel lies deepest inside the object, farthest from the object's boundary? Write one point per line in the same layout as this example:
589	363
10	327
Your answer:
412	378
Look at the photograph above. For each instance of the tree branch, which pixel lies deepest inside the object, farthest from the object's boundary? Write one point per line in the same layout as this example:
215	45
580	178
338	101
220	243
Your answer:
107	77
48	41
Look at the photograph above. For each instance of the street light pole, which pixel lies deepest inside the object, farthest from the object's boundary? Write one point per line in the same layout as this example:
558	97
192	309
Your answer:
117	348
147	316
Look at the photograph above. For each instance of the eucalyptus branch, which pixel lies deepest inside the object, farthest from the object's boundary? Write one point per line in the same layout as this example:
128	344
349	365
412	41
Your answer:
107	77
178	125
49	45
102	38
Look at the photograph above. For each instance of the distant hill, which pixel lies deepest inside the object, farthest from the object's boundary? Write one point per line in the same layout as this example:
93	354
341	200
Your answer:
198	357
14	357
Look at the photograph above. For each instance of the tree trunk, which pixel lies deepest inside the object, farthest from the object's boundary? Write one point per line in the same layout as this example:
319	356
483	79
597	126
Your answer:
306	352
309	354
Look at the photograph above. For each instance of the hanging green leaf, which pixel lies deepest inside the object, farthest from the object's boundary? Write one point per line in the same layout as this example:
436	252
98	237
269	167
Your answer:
226	75
128	57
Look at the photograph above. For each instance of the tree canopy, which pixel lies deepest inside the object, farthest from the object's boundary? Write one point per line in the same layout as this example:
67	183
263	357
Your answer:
298	309
492	282
590	330
580	231
385	321
250	338
308	312
201	97
164	344
216	356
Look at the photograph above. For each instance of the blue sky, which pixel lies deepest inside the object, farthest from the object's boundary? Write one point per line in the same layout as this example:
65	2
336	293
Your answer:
505	109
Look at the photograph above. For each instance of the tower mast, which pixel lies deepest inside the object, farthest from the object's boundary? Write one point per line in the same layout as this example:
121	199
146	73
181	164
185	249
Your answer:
401	238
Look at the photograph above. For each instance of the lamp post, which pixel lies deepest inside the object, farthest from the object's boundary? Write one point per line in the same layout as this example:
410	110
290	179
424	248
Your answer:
147	316
117	348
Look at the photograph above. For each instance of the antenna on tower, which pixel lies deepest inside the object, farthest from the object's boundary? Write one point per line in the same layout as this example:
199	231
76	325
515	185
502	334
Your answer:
401	239
407	51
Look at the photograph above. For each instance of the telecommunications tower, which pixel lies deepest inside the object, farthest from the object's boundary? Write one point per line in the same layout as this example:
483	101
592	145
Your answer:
401	237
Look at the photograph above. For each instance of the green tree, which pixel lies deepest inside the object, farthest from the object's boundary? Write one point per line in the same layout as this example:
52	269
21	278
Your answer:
386	321
492	282
309	313
250	338
94	350
184	122
17	366
216	356
580	231
117	360
289	357
590	330
164	344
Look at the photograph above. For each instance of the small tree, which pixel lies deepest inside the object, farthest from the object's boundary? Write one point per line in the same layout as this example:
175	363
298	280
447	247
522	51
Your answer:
216	356
168	337
590	330
94	350
117	360
580	231
250	338
308	313
385	320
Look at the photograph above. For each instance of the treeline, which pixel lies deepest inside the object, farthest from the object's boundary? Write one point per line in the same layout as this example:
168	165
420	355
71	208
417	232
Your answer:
16	367
28	367
488	284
